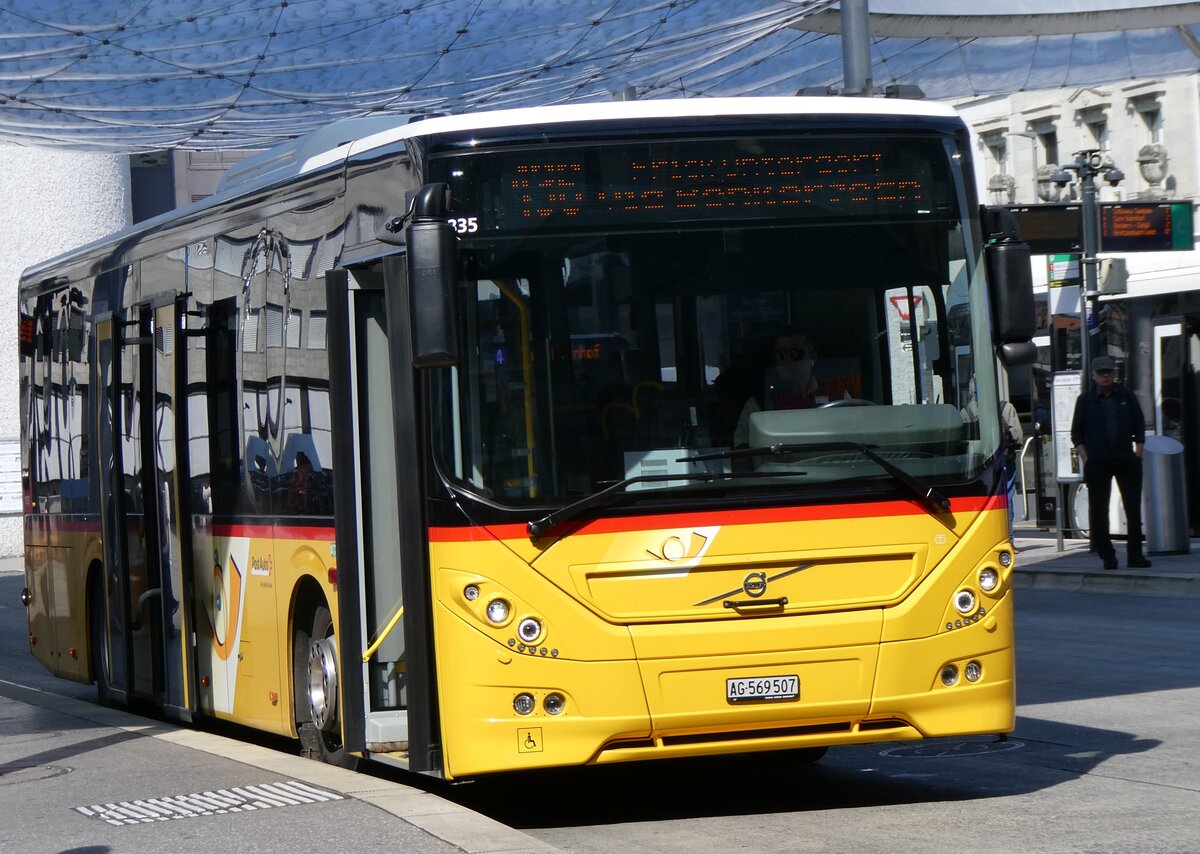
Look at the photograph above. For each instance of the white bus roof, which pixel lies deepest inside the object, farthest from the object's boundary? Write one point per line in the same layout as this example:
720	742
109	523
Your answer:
323	148
334	144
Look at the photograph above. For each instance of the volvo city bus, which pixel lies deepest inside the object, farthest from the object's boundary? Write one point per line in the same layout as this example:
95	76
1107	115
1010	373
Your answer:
456	444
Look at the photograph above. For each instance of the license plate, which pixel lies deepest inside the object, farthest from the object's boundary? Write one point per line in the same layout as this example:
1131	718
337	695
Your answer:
762	689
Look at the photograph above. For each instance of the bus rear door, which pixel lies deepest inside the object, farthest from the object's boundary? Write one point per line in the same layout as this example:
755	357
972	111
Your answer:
147	625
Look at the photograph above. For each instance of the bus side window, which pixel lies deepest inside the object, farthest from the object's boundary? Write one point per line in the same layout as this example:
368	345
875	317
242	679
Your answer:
298	381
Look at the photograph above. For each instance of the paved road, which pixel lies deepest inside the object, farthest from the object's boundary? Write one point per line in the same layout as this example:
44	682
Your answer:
1106	758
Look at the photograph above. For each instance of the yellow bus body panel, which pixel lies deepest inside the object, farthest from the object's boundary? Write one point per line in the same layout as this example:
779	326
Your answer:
244	603
56	564
641	629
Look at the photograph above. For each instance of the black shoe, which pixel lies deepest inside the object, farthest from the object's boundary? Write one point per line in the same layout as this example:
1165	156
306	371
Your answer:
1110	562
1137	562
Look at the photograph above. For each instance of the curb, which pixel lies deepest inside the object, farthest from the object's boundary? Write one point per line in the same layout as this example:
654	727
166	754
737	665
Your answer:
1040	565
1109	583
450	822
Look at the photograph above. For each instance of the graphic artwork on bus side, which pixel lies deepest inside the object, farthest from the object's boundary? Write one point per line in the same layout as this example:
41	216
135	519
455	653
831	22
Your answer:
223	593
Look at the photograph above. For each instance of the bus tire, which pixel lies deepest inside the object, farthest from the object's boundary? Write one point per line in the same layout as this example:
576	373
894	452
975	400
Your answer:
97	640
317	678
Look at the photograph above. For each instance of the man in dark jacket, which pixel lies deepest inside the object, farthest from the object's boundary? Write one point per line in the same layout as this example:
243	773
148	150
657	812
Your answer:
1108	431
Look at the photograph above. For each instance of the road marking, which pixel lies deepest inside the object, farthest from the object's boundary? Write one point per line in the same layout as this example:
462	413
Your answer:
242	799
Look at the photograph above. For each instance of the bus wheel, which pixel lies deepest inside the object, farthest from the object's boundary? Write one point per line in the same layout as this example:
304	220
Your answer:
98	643
316	667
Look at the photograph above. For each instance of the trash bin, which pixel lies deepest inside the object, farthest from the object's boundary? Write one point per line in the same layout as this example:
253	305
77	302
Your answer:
1164	497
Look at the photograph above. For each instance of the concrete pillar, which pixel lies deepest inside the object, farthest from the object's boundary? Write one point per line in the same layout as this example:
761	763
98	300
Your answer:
54	201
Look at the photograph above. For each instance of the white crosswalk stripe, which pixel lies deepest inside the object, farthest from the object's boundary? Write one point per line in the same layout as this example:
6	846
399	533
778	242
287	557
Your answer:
218	802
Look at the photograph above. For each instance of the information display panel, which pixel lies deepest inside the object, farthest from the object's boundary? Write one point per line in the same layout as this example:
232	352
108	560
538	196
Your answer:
651	184
1124	227
1051	229
1064	392
1146	227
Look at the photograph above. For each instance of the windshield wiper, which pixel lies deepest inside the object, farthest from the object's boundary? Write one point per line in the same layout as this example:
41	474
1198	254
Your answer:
925	493
612	493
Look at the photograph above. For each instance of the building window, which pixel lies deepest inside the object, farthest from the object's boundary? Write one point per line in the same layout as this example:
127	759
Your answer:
1098	128
316	330
999	150
1152	118
1049	143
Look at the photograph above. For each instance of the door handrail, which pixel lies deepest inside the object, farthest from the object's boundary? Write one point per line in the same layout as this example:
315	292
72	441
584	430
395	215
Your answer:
1024	484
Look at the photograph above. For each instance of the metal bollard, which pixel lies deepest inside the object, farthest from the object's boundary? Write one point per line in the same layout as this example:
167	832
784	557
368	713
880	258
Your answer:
1164	497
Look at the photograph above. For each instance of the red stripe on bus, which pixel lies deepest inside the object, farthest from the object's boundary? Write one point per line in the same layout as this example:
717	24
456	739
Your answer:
56	524
722	517
278	532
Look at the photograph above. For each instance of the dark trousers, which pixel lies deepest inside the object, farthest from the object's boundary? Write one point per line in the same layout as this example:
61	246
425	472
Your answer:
1098	475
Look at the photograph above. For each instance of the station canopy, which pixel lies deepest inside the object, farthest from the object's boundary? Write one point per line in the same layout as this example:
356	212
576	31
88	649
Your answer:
124	76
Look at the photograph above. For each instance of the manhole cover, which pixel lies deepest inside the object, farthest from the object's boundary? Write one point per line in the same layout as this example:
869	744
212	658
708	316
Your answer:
11	775
951	749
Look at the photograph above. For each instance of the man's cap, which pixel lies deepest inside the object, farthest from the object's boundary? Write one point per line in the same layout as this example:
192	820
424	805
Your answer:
1103	363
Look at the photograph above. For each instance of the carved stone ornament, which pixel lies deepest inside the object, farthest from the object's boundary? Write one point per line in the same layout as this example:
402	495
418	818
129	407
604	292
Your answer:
1152	161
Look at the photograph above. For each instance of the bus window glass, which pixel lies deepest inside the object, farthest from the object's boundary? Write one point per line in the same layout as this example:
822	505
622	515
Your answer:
298	385
606	343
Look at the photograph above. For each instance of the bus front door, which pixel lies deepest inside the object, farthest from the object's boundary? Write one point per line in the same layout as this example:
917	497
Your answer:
384	623
147	585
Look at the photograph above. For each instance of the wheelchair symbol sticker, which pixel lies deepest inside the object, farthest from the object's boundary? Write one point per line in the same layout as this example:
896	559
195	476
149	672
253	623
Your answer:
529	740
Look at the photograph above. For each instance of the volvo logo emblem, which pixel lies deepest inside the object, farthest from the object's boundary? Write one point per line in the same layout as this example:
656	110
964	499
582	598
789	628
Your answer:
755	584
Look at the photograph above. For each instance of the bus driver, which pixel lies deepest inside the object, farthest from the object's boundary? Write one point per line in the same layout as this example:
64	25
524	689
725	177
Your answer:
789	382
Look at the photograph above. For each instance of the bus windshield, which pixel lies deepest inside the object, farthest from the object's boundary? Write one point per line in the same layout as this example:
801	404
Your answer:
636	309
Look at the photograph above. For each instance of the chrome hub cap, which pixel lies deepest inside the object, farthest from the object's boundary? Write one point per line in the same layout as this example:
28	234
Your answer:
322	682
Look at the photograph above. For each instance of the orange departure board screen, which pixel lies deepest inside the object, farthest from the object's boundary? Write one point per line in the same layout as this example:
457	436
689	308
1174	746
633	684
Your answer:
1146	226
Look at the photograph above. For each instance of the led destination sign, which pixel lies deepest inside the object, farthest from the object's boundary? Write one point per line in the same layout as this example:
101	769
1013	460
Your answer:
647	184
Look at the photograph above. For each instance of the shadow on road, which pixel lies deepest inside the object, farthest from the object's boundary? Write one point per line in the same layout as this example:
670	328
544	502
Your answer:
939	770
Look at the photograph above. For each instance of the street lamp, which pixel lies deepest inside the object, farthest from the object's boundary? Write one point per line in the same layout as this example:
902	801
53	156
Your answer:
1088	166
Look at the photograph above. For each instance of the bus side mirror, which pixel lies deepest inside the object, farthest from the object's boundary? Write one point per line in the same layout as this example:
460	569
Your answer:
1010	284
432	278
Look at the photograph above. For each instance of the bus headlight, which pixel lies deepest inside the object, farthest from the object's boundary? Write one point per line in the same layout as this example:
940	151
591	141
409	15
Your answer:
964	601
498	611
523	703
949	675
554	703
529	630
989	579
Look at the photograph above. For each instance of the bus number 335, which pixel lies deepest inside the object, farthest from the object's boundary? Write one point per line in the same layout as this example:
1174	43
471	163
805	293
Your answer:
464	224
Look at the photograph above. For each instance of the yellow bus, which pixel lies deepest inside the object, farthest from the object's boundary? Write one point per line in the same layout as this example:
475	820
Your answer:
541	437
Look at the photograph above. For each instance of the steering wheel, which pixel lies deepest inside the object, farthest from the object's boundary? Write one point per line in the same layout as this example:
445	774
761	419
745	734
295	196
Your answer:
848	401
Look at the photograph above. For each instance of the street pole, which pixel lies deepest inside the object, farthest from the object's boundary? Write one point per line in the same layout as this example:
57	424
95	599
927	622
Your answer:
1088	165
1091	244
856	48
